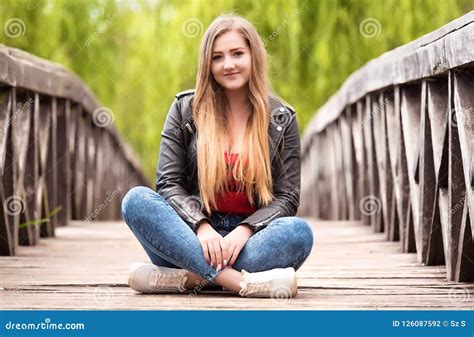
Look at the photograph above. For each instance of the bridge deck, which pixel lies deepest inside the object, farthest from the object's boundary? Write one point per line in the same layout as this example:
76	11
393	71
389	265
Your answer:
85	267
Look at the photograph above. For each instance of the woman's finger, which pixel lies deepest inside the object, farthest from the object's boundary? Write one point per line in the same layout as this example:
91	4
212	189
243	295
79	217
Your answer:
212	253
225	252
217	248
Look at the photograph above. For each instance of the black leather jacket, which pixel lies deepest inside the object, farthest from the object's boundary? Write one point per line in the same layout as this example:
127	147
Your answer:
176	178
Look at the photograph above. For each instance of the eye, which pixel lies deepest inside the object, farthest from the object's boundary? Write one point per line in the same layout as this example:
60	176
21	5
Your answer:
216	57
238	53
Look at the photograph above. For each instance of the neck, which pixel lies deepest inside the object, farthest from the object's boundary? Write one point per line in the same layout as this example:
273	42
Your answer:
239	102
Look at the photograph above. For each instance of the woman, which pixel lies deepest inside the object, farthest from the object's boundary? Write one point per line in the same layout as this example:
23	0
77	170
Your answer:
228	180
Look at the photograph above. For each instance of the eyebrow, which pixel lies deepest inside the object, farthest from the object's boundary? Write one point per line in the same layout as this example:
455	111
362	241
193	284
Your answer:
217	51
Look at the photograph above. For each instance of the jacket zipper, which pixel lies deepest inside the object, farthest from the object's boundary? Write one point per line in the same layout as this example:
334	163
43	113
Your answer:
182	210
269	219
189	127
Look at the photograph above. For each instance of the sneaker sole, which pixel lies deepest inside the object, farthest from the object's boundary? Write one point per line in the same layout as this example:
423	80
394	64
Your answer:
296	284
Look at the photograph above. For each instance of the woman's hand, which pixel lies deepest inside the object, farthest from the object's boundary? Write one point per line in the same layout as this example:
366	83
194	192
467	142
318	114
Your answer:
234	242
210	243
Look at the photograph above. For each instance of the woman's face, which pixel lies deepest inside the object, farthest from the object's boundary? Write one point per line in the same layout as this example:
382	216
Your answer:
231	61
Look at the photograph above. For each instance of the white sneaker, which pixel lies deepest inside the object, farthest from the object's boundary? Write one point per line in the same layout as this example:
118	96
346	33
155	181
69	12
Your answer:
276	283
148	278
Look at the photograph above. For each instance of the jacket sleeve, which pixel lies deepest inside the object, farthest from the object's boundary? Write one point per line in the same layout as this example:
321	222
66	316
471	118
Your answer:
172	170
286	181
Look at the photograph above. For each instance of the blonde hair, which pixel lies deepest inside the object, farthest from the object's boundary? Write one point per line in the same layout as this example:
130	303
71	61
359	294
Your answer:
211	121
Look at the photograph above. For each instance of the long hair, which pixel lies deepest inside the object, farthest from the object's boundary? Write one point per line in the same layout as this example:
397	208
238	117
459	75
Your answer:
252	170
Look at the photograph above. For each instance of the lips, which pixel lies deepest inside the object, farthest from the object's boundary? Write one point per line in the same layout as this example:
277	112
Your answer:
231	74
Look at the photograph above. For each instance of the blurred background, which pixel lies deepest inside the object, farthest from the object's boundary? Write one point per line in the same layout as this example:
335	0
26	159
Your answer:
135	55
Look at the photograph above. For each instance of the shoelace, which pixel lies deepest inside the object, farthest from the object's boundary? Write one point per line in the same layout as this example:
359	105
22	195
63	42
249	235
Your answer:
171	280
258	287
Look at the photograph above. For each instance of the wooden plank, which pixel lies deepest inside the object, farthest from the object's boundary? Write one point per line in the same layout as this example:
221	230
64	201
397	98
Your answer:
32	209
99	172
73	150
79	167
350	169
379	108
410	116
401	179
86	203
52	177
63	168
461	156
435	173
47	229
8	241
427	178
392	142
358	139
21	124
350	268
370	204
366	118
339	190
325	183
464	109
12	204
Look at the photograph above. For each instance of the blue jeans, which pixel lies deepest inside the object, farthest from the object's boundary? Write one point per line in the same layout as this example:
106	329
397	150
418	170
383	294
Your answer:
170	242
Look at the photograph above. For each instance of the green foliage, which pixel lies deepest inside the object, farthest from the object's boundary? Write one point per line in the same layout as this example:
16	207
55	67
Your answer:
43	220
136	55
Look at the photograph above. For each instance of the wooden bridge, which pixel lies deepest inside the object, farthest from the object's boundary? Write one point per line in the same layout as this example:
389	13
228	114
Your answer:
387	183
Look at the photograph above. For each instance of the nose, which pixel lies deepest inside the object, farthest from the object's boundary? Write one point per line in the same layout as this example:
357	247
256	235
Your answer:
228	64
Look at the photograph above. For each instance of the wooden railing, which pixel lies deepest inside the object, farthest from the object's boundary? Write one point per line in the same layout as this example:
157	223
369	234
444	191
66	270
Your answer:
394	147
61	157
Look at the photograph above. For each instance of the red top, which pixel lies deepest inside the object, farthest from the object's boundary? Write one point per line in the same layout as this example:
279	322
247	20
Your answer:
233	202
